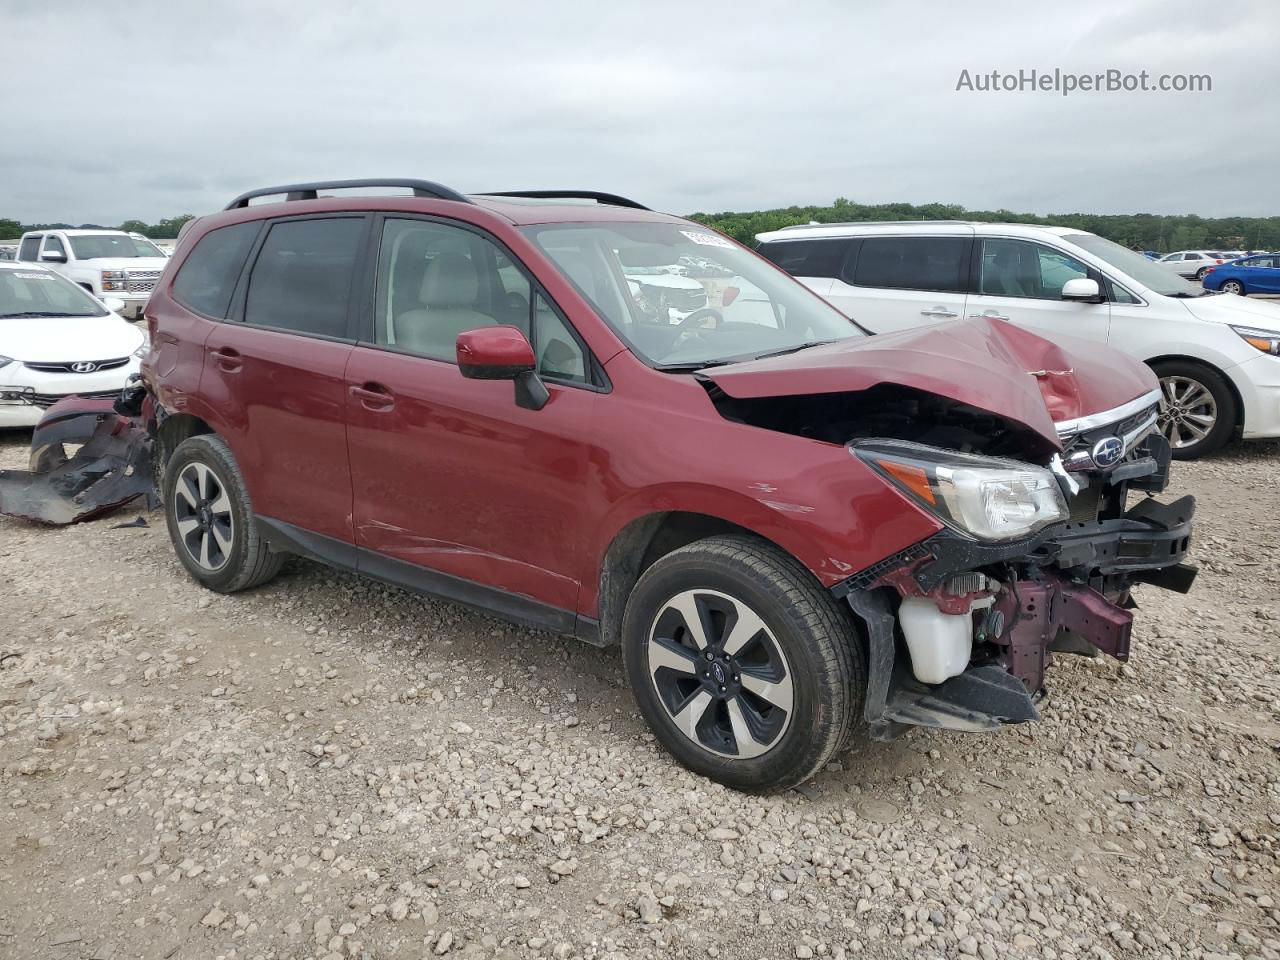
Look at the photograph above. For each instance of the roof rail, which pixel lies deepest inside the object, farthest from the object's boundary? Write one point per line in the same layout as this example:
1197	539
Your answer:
309	191
868	223
610	198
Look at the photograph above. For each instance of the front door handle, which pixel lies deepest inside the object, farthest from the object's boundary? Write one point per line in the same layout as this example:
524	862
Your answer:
993	314
374	396
940	312
227	359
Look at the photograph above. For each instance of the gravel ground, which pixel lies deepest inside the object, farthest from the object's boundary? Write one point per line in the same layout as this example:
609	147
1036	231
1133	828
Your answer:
328	767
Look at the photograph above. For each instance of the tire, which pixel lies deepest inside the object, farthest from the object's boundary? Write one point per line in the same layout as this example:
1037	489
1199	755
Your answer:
223	549
804	665
1233	286
1200	274
1195	398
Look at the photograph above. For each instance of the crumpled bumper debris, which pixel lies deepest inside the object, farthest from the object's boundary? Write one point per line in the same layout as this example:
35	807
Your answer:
88	457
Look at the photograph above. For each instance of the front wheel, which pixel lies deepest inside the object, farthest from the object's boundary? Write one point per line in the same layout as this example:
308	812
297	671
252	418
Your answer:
747	671
1197	408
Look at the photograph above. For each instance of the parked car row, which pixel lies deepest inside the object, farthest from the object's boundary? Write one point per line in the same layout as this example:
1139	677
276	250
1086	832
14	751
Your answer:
106	263
1216	357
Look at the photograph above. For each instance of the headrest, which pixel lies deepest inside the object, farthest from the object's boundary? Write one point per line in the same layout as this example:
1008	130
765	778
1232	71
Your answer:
450	281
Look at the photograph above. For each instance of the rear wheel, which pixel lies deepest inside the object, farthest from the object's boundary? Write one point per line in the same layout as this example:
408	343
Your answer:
211	520
1233	286
1200	273
1197	408
745	668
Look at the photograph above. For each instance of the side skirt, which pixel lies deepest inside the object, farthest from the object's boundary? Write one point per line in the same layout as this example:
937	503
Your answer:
516	608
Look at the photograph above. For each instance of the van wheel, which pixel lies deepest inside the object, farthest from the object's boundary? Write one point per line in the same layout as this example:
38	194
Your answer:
746	670
211	520
1197	408
1233	286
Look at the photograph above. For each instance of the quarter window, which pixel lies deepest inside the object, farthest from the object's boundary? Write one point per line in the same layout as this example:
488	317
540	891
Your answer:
1019	268
208	276
807	258
913	263
301	279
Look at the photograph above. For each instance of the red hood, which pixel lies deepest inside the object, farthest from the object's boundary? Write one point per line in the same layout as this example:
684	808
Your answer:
985	363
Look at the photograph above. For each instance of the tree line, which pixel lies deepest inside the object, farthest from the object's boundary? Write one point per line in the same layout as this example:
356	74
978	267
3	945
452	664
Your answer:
1141	231
164	230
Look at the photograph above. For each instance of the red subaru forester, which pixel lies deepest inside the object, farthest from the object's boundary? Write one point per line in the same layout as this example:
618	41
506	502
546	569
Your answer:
584	416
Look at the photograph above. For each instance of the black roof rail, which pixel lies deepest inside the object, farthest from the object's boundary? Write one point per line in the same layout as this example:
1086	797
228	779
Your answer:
309	191
610	198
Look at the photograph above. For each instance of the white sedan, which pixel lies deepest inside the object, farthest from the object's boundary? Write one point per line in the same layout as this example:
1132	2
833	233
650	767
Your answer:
57	340
1192	264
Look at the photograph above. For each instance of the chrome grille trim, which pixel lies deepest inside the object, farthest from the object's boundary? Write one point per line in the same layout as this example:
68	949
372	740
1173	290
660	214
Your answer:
65	367
1069	428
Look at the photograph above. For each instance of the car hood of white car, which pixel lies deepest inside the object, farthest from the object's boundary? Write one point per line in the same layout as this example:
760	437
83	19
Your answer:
127	263
67	339
1242	311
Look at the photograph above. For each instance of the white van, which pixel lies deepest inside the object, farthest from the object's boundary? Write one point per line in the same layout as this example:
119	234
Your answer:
1217	356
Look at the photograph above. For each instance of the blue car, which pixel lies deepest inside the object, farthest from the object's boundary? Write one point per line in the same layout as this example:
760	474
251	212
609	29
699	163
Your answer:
1256	274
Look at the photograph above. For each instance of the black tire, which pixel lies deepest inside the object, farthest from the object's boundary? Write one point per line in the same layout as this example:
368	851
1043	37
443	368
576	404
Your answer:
1234	287
1226	409
246	560
1200	274
820	646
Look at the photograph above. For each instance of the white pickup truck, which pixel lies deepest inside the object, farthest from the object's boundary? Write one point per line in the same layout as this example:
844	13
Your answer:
107	263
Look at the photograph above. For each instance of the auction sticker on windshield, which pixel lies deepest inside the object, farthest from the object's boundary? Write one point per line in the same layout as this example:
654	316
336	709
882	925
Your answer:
707	239
33	276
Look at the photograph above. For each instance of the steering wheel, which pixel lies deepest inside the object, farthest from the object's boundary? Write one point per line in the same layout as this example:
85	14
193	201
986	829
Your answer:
699	314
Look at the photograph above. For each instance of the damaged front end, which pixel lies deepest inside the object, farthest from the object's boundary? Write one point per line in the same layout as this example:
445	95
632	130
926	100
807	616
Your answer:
89	456
961	627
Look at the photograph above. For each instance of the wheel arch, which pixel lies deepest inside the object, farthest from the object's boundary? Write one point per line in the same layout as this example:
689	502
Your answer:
170	431
1214	368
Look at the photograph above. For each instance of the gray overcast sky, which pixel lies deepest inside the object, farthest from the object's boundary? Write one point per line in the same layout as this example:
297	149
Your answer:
151	109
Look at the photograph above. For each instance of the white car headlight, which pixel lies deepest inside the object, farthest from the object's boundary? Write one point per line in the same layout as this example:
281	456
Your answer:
1267	341
987	498
143	348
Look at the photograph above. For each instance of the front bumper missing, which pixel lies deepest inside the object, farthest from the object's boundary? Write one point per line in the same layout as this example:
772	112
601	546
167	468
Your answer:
1066	590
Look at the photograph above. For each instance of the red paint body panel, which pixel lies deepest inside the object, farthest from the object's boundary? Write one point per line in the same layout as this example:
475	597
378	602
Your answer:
426	466
983	362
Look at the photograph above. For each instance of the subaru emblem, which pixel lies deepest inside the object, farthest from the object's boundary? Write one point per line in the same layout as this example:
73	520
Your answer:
84	366
1107	452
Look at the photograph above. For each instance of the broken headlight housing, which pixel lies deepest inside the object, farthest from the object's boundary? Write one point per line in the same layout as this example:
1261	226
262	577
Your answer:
986	498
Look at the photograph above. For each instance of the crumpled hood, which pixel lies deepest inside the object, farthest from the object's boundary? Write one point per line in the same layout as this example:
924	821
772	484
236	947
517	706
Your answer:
1242	311
67	339
983	362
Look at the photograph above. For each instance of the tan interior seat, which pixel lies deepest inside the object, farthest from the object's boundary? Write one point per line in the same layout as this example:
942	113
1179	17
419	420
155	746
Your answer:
450	286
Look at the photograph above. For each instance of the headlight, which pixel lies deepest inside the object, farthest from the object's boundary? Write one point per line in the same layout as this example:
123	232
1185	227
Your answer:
143	348
1268	341
114	279
982	497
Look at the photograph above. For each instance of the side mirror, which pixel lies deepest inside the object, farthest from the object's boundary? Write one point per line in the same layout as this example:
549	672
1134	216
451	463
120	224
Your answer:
502	353
114	304
1082	290
51	257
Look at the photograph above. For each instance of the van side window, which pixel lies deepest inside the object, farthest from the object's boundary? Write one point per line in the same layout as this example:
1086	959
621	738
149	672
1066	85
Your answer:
208	276
913	263
807	258
301	279
29	249
1020	268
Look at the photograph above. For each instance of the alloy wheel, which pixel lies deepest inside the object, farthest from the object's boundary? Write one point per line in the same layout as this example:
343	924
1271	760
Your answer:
1233	286
202	511
1188	411
720	674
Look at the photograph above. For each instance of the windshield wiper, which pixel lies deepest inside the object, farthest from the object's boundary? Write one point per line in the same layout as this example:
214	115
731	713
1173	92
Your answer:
44	313
796	349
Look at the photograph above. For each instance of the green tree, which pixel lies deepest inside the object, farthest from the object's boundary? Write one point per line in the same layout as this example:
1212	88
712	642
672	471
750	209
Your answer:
10	229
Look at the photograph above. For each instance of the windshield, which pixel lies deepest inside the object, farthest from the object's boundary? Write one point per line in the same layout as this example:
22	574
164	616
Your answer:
94	246
683	296
41	293
1147	272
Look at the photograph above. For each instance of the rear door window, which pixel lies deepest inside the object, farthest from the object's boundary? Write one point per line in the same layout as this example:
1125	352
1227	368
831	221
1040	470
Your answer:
301	279
912	263
29	249
208	276
807	258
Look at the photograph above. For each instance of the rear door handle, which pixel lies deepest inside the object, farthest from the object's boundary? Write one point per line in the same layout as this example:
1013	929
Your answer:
374	396
939	311
993	314
227	358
